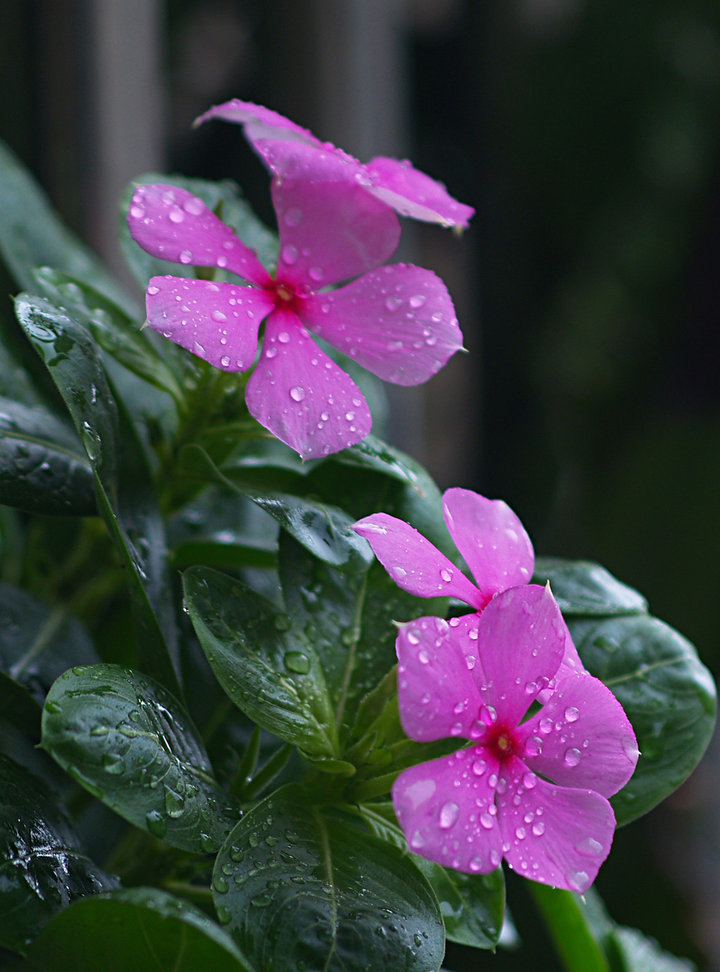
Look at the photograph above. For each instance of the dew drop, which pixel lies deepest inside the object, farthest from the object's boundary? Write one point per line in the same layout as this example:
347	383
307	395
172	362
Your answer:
289	254
578	880
297	393
152	290
293	217
417	300
533	746
392	303
176	215
538	828
194	206
475	864
296	661
572	714
217	315
545	725
446	575
487	821
423	657
589	847
572	756
316	274
186	256
449	813
283	337
113	764
156	823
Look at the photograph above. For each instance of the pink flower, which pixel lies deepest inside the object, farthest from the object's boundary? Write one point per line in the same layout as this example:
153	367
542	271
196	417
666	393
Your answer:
396	321
293	154
491	539
532	792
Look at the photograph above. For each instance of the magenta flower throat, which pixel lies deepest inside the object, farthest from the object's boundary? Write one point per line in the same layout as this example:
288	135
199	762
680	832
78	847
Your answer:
396	321
533	792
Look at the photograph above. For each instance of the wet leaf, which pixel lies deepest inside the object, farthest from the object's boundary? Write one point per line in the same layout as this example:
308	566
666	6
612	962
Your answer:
301	888
125	493
43	467
269	669
472	905
135	928
42	866
349	620
584	588
322	528
131	744
667	693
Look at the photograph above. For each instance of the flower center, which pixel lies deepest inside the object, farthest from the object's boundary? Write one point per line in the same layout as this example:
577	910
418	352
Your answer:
285	294
500	742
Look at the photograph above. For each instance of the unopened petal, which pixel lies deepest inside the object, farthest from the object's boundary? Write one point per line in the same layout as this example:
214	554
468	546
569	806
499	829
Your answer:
412	561
552	834
398	322
173	224
216	321
299	394
437	696
491	538
582	737
446	810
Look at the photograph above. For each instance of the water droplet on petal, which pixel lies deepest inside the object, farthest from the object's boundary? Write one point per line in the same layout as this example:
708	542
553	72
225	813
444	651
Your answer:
417	300
538	828
316	274
572	714
297	393
186	256
289	254
479	766
533	746
293	217
449	813
283	337
446	575
578	880
152	290
487	821
572	756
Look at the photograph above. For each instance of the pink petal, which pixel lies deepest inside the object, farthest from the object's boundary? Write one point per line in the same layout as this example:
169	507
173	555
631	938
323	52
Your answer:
172	224
520	643
218	322
581	737
412	193
260	122
437	696
330	231
492	540
398	322
446	810
302	396
412	561
571	664
552	834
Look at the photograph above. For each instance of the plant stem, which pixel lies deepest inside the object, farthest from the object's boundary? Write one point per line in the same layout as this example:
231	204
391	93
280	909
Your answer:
567	925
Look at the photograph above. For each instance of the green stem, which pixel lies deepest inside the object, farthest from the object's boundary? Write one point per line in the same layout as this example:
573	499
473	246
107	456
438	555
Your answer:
569	929
192	892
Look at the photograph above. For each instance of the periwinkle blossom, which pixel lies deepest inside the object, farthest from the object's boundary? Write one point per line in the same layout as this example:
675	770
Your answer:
533	792
294	155
492	541
396	321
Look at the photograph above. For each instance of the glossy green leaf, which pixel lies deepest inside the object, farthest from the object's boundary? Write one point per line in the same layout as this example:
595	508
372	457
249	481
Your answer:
667	693
37	645
631	951
138	929
32	235
585	588
43	467
577	943
472	905
269	669
299	887
42	866
349	620
130	743
125	494
115	331
223	198
320	527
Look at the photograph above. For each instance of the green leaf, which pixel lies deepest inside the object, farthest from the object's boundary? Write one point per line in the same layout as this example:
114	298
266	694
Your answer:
225	201
38	643
631	951
114	330
472	905
572	934
667	693
349	620
142	929
124	488
320	527
43	467
269	669
301	888
31	234
130	743
42	866
585	588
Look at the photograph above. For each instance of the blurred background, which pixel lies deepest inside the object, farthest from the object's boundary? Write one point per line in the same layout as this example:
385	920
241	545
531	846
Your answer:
586	133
